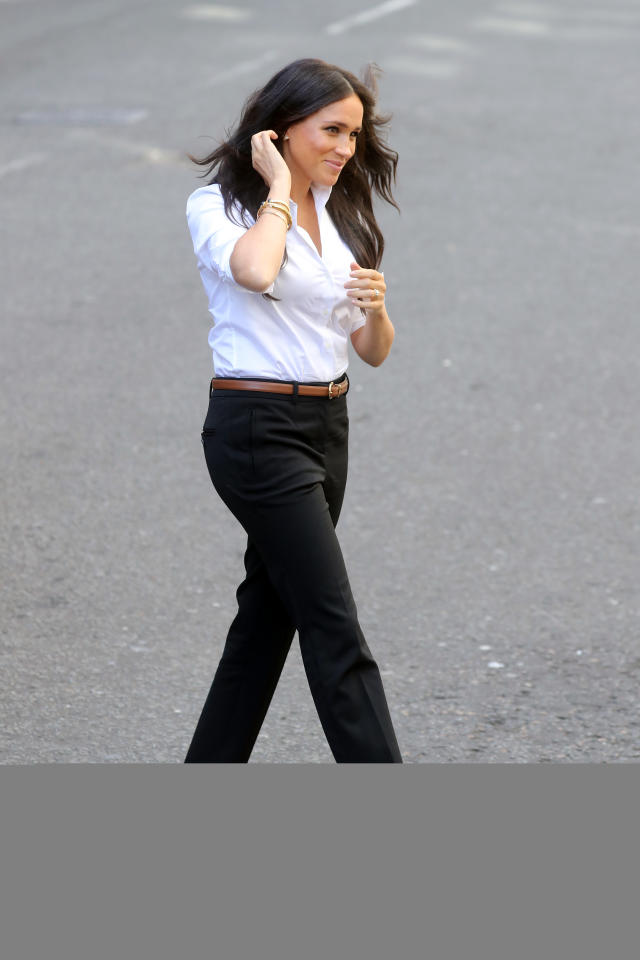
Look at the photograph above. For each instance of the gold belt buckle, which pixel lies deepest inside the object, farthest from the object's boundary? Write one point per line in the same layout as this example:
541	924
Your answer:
338	387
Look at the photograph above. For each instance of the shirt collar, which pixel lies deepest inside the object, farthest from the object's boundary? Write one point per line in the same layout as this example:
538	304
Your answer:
321	195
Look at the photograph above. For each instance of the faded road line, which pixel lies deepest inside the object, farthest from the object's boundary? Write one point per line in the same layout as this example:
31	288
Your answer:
598	226
215	12
245	66
383	10
22	163
144	151
423	67
529	28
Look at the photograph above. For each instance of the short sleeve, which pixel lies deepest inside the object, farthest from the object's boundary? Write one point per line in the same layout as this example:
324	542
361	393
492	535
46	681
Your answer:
357	318
213	234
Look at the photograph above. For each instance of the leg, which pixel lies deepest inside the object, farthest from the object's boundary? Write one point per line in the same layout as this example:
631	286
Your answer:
280	467
255	651
298	544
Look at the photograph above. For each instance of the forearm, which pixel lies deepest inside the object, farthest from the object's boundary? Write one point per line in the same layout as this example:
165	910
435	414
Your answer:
257	256
373	342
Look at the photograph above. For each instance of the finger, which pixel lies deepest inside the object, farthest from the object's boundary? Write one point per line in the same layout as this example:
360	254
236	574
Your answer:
367	306
357	271
264	136
366	282
366	296
360	286
365	286
362	282
364	274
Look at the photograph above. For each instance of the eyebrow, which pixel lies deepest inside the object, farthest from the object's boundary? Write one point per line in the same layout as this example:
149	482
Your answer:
336	123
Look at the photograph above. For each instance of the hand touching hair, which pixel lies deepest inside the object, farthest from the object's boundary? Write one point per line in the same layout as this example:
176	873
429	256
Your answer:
293	93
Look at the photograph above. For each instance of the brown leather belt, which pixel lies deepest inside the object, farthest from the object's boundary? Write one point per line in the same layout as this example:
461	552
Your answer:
330	390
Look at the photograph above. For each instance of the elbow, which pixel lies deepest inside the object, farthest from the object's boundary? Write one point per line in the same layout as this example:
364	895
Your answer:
377	361
373	358
249	276
256	284
251	280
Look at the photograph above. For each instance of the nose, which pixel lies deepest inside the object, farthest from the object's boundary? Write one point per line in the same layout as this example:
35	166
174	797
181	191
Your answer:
345	150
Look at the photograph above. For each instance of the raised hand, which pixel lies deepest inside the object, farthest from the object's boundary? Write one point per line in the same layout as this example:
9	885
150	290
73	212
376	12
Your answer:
266	159
366	288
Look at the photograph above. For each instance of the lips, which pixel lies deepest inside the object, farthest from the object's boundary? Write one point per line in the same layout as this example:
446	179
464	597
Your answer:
336	166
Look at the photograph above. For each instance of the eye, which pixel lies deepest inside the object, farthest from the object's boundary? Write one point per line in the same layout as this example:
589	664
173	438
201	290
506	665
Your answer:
333	129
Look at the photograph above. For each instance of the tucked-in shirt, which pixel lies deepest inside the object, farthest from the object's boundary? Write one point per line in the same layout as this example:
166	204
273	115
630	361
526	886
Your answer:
303	335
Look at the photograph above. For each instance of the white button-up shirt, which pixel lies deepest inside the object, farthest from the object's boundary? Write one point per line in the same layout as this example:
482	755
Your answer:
302	336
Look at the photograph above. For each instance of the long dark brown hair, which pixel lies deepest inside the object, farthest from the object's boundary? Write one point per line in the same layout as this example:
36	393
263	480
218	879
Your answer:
295	92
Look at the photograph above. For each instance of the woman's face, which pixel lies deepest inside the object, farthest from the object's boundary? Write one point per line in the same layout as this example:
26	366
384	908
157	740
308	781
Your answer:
320	145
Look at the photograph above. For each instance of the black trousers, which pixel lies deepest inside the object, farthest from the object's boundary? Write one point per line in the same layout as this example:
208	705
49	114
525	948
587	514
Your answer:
280	464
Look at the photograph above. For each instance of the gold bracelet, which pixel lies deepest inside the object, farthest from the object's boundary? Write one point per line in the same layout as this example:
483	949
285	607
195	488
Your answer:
276	205
276	213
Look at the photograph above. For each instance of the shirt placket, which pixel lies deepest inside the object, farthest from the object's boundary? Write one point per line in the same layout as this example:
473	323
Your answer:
325	292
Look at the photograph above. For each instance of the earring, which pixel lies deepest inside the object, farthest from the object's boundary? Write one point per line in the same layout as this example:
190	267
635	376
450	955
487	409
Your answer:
286	138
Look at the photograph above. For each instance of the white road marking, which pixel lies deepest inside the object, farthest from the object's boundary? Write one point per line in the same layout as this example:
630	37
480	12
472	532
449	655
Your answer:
245	66
527	9
215	12
82	116
366	16
538	11
617	16
145	151
543	11
436	44
598	226
424	68
573	32
585	32
529	28
22	163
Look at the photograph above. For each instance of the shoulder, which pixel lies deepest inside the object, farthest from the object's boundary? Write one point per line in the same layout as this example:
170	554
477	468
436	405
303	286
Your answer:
208	202
203	198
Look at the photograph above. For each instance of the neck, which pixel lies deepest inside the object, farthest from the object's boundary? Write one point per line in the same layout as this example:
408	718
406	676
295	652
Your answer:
299	190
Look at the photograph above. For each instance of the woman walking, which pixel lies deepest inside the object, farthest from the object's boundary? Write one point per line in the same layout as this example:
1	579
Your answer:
288	249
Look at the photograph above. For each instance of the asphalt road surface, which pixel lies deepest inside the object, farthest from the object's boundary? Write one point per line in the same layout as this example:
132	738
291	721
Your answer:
491	525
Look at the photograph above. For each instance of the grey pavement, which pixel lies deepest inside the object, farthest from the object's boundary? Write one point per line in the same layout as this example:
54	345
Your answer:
491	525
